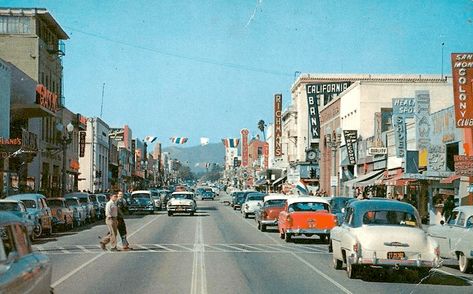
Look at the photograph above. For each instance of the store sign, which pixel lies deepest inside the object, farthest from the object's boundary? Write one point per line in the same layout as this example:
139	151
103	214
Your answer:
351	137
437	157
315	94
277	125
402	108
462	72
244	147
265	155
378	151
423	125
463	165
82	144
46	98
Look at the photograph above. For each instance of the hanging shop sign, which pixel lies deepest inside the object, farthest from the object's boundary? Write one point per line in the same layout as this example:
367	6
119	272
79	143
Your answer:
316	93
423	125
462	72
244	147
463	165
437	157
277	125
402	108
266	155
351	137
46	98
377	151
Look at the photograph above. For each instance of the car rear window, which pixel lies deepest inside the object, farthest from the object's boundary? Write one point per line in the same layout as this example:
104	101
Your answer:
275	202
29	203
71	202
9	206
390	217
83	200
55	203
93	198
182	196
140	195
256	197
308	206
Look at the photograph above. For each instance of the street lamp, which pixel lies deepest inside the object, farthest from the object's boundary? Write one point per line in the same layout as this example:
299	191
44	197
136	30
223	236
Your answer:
333	140
65	141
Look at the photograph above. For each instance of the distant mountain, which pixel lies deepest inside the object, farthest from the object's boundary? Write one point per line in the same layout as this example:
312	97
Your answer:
196	156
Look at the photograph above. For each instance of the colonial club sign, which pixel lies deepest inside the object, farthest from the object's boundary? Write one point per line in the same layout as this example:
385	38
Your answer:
462	71
277	125
315	94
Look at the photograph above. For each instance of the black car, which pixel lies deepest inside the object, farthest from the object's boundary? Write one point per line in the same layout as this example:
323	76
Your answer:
240	199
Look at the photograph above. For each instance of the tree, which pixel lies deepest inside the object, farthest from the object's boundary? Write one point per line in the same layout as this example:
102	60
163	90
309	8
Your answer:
261	127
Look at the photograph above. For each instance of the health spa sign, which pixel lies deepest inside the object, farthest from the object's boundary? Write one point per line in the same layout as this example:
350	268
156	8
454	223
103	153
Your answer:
462	72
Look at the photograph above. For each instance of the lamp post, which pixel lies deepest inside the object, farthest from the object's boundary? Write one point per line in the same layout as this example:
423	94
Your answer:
333	140
65	141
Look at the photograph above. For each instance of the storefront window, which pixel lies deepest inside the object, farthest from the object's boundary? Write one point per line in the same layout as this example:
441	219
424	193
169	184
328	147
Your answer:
15	25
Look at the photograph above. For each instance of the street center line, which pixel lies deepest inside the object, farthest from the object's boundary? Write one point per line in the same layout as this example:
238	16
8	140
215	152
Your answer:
70	274
198	267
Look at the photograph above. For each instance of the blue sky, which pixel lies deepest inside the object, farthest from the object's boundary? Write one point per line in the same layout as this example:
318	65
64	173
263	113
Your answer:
209	68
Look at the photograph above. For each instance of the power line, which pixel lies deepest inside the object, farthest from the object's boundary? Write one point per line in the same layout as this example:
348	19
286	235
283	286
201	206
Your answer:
195	59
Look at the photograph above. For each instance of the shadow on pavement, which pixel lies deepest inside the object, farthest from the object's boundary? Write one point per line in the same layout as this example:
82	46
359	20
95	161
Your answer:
412	276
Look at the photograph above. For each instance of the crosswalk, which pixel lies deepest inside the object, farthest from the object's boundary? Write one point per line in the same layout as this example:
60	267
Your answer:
180	248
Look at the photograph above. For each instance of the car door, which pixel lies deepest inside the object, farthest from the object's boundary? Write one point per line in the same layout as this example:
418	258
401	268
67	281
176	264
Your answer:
457	232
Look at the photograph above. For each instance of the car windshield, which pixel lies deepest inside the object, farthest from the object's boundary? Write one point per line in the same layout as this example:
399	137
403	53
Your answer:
140	196
275	202
255	197
101	198
155	194
9	206
308	206
83	200
70	202
182	196
29	203
390	217
55	203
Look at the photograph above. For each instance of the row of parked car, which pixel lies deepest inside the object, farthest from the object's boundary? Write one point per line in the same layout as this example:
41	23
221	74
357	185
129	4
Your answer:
365	234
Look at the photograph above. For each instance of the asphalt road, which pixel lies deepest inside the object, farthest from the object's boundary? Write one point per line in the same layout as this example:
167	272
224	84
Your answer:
216	251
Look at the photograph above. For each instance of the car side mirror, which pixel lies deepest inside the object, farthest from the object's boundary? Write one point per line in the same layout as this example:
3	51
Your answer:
442	222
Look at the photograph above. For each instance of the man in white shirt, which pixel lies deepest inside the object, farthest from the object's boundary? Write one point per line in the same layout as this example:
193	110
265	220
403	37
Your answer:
111	213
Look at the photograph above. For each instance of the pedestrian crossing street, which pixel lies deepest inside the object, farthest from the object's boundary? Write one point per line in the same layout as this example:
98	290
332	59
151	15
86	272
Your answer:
180	248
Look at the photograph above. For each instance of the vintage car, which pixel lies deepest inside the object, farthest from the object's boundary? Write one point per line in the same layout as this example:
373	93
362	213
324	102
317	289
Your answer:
86	202
62	214
40	213
207	195
101	200
306	216
455	238
182	202
240	198
268	214
253	202
17	208
141	201
235	196
382	234
21	269
338	205
156	199
79	213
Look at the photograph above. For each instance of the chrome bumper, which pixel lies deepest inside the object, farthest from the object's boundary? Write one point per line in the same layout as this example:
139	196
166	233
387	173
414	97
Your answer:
395	263
308	231
270	222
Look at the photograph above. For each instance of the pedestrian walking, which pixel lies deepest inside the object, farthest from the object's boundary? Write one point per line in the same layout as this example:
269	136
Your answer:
121	204
111	214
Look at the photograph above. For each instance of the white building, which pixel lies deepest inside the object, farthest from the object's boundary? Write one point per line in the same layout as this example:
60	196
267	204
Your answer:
94	164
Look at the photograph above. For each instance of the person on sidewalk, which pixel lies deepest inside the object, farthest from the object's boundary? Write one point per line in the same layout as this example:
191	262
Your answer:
121	204
111	213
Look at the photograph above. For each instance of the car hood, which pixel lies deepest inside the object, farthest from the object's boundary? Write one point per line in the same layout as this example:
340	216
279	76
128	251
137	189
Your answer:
253	203
392	238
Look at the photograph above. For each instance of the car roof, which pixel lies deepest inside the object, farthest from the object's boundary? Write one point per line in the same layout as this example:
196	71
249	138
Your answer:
305	199
55	198
141	192
381	205
275	196
76	194
183	192
466	209
10	200
31	196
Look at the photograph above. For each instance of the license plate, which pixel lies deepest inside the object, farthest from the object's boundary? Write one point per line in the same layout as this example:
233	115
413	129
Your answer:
396	255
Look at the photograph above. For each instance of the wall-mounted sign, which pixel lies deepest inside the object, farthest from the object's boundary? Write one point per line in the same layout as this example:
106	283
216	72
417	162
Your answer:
423	125
462	72
46	98
316	93
437	157
402	108
351	137
377	151
266	155
277	125
463	165
82	135
244	147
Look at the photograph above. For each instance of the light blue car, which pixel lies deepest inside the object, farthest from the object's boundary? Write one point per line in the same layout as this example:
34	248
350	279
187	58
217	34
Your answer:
40	213
17	208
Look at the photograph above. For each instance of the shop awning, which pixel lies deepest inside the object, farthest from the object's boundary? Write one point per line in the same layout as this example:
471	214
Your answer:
363	178
260	182
371	181
397	180
280	180
450	179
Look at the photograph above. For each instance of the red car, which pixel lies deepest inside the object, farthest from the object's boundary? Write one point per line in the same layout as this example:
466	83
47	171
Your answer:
306	216
268	214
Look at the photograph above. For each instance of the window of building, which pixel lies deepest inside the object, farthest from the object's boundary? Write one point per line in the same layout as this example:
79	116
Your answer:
15	25
452	150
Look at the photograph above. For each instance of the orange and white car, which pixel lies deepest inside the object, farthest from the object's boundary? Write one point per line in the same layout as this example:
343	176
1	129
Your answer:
306	216
268	214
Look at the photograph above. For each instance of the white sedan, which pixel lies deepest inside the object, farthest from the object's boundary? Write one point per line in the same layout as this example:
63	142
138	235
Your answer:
455	238
382	234
253	202
181	202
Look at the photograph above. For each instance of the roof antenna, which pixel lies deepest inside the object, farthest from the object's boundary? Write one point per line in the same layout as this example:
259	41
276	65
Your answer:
101	105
